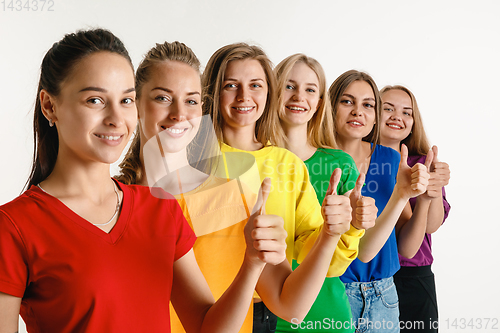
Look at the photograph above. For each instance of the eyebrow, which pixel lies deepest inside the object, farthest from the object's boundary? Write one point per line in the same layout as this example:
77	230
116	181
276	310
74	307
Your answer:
98	89
171	91
256	79
351	96
308	83
404	107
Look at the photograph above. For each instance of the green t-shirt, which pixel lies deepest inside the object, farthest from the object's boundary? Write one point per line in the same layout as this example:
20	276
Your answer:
331	311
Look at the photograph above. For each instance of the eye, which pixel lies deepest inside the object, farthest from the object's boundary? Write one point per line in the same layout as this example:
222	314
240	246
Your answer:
289	87
230	85
346	102
255	85
311	90
128	101
163	99
192	102
95	101
368	105
388	109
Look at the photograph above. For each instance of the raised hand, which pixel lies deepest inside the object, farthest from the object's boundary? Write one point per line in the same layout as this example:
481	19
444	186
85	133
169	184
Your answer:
336	209
412	182
265	234
439	175
364	211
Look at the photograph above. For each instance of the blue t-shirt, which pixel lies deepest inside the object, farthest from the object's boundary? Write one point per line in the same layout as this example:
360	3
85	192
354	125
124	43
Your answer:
379	184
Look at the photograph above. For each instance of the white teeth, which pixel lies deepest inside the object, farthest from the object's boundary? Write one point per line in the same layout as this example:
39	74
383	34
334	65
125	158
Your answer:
175	130
356	123
295	108
244	109
394	126
106	137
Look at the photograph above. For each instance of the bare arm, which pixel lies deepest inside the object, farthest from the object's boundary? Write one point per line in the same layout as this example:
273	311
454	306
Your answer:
411	182
9	313
410	230
290	295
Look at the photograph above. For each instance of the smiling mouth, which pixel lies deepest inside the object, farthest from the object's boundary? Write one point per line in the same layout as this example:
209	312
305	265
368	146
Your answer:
296	108
355	123
244	109
175	130
393	126
109	137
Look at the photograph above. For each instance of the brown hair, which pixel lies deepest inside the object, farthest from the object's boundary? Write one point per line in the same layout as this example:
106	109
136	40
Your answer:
416	141
321	128
267	127
131	168
338	88
57	65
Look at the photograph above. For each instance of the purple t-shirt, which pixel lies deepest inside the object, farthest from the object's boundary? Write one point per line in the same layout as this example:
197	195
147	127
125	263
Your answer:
424	254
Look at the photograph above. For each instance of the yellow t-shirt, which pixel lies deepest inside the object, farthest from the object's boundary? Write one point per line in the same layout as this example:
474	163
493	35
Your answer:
293	198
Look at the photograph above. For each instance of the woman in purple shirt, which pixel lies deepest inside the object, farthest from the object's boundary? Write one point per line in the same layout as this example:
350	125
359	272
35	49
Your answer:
401	123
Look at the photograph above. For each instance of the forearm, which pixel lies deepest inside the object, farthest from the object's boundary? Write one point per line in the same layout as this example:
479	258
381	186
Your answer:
435	215
230	310
375	237
412	232
293	297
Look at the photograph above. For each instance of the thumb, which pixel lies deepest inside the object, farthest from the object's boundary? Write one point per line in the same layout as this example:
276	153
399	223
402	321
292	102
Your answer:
334	182
403	163
429	159
260	205
356	192
435	150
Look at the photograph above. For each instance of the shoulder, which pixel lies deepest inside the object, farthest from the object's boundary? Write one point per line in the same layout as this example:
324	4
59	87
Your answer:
385	153
414	159
28	203
145	197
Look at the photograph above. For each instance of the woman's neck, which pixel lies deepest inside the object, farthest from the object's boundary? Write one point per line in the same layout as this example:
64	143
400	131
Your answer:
394	144
359	151
157	166
297	141
242	138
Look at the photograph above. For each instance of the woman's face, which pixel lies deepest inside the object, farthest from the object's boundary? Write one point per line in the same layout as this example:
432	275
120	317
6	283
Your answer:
356	111
170	103
95	111
244	93
301	95
397	115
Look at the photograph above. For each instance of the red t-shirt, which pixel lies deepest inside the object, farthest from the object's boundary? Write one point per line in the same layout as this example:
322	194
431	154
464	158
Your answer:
74	277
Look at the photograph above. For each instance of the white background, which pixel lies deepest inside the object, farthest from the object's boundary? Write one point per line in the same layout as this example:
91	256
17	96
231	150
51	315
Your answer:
446	52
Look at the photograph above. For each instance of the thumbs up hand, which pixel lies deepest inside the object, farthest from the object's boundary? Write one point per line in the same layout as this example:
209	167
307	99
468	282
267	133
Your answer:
336	209
412	182
265	235
364	211
439	175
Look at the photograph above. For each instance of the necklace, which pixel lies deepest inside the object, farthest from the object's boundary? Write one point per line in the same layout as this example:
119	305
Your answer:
117	209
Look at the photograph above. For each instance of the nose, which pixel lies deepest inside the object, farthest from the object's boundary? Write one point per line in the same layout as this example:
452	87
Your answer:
242	94
114	116
177	112
357	109
298	96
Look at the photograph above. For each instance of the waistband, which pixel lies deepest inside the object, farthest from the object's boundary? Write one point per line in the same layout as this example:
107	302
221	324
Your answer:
414	271
375	287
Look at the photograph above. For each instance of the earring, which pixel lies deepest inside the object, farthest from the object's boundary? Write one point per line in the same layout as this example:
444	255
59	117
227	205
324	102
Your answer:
51	123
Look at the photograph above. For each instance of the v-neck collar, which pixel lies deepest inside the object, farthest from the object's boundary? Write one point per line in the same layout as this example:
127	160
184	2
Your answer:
114	234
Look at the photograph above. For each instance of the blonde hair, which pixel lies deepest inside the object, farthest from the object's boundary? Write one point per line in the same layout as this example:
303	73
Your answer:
321	128
338	88
267	126
131	168
416	141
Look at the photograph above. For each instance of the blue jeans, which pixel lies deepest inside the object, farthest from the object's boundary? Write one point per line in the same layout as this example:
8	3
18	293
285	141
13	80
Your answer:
374	306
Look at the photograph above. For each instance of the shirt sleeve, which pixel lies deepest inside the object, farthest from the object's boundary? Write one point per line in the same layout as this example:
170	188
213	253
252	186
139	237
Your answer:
13	258
446	206
185	235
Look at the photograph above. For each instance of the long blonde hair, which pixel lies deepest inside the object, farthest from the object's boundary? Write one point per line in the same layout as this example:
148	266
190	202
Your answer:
321	128
131	168
338	88
416	141
267	127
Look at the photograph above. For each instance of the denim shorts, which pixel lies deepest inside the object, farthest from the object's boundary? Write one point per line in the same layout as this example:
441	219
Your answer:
374	306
